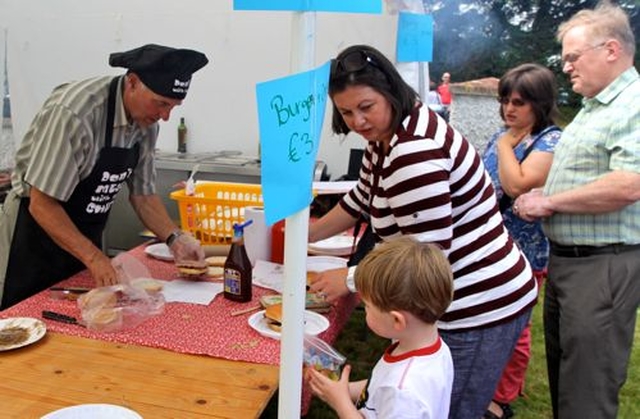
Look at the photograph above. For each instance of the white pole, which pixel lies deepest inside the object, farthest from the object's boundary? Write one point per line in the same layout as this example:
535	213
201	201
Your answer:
295	251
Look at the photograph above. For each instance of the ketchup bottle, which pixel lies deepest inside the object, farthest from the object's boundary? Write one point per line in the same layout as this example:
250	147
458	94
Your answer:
237	268
277	242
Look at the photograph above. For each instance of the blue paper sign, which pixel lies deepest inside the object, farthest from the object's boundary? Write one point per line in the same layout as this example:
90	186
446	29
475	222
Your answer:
290	114
415	37
348	6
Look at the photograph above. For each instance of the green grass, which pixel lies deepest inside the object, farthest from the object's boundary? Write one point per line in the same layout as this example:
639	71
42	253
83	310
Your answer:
363	348
536	403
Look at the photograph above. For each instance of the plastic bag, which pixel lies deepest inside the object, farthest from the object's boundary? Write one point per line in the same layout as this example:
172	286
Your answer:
128	268
117	307
321	356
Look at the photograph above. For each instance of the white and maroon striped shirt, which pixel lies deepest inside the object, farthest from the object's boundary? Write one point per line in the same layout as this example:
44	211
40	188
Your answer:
432	185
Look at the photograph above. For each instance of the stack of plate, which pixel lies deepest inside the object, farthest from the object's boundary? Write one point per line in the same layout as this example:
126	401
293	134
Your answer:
340	245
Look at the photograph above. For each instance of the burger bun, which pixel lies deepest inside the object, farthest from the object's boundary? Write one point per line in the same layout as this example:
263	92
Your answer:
217	261
100	309
149	285
273	317
192	269
311	277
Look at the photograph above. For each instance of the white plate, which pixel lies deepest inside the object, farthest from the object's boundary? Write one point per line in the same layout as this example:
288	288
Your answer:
314	324
324	263
35	331
93	411
271	275
159	251
333	246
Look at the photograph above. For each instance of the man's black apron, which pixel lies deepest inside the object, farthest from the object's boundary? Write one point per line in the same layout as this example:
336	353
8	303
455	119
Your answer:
35	261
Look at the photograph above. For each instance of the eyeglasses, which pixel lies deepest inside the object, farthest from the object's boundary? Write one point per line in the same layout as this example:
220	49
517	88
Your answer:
353	62
572	57
517	102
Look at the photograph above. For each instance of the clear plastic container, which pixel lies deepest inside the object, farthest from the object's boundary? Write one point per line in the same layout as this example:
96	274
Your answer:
321	356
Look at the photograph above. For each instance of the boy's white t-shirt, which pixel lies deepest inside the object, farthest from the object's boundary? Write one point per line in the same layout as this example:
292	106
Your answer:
416	384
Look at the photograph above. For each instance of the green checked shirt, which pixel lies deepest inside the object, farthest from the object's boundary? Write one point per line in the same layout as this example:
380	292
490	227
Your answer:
603	137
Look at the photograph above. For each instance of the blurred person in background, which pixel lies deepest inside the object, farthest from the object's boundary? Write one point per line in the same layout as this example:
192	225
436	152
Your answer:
445	93
421	178
434	101
89	139
518	158
590	206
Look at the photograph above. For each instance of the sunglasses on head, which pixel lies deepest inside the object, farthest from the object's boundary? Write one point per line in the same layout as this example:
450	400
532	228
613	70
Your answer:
353	62
517	102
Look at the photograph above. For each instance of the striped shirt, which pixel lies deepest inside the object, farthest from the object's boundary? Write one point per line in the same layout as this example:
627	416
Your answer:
64	141
432	185
603	137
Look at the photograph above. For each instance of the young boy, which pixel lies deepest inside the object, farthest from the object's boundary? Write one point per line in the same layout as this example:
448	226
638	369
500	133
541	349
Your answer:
405	286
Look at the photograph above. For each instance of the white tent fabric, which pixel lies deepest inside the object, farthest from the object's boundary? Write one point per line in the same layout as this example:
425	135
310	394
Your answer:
55	42
7	146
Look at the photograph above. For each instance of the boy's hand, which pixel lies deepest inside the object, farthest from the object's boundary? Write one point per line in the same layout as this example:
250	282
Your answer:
334	393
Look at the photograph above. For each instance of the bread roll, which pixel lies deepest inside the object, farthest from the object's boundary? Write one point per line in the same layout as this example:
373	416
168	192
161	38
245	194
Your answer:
98	297
192	269
215	271
218	261
106	318
100	309
273	316
149	285
311	277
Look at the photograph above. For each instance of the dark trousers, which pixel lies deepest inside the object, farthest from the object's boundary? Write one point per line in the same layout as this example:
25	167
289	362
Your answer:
590	310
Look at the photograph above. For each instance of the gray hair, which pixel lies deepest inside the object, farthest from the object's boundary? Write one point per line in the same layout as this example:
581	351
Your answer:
605	21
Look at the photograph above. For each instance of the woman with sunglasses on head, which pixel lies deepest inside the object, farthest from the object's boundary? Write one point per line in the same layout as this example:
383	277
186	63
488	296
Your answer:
420	177
518	158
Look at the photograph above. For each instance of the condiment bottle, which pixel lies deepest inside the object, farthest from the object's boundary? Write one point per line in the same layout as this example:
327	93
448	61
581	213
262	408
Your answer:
237	268
182	136
277	242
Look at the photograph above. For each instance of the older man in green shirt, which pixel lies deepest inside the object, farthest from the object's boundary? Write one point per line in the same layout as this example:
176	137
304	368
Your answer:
591	210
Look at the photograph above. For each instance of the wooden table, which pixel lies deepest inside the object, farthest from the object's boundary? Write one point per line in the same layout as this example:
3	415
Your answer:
191	361
62	370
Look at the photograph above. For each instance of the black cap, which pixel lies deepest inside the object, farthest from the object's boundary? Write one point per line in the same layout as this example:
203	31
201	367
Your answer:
166	71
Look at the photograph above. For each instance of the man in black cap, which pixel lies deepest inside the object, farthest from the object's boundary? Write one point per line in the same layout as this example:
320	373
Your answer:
88	139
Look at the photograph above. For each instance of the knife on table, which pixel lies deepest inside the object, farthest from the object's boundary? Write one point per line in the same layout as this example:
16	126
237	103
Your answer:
59	317
67	293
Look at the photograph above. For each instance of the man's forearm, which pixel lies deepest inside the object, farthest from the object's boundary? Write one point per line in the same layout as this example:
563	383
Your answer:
610	193
53	219
153	214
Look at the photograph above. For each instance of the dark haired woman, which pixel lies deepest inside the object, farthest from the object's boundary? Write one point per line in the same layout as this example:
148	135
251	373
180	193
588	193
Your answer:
518	158
420	177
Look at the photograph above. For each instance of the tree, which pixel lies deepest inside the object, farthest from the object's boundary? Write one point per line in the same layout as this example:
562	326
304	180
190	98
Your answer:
483	38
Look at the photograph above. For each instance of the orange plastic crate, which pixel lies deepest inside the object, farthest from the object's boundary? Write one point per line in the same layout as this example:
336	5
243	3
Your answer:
210	213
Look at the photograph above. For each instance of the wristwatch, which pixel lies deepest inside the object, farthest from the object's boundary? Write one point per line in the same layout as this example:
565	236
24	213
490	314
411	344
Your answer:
351	280
172	237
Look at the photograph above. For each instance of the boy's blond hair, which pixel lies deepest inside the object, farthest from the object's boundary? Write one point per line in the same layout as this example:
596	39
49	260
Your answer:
404	274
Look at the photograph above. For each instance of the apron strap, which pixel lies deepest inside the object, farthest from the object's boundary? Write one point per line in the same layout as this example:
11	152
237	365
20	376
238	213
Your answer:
111	104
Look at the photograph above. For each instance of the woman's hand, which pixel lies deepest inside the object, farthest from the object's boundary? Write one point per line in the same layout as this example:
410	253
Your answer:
509	140
330	284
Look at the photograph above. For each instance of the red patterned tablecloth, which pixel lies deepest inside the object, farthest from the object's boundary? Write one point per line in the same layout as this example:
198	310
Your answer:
187	328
